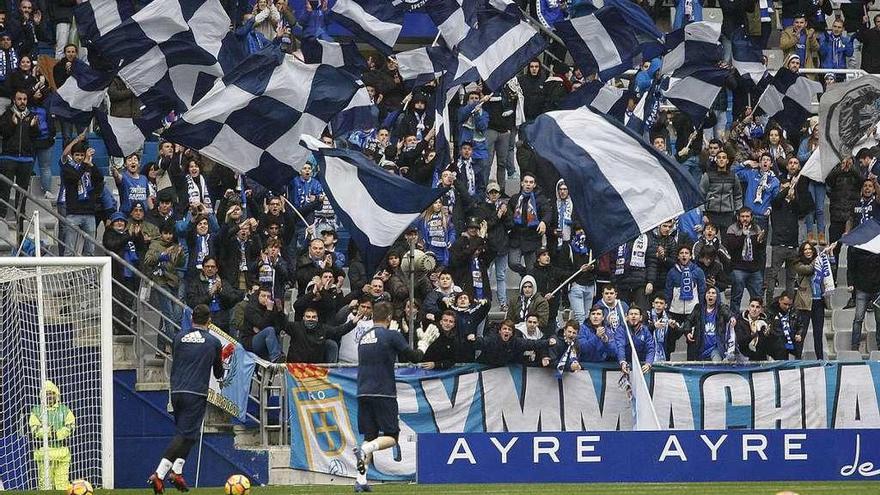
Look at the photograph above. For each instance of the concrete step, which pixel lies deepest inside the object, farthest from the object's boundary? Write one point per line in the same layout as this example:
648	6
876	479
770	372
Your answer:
842	319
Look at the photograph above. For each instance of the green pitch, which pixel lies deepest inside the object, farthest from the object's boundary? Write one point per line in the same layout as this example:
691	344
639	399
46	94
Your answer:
802	488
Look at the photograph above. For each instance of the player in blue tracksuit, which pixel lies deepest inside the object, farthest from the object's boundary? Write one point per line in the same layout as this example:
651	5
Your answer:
642	338
196	354
596	338
378	349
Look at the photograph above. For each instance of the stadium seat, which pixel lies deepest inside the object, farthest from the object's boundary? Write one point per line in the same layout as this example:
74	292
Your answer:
809	355
679	356
842	340
875	356
849	356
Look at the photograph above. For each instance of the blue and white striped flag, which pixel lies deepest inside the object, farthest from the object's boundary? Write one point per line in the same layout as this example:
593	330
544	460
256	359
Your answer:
169	52
374	205
95	18
377	22
695	44
502	45
644	413
359	115
339	55
453	18
606	41
252	119
606	99
748	60
866	236
620	185
695	93
423	65
81	93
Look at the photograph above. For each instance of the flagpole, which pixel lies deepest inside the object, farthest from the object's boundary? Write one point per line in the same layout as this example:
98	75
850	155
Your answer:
297	212
573	275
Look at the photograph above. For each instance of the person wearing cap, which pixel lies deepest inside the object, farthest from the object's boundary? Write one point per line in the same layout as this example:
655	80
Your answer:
469	262
800	40
494	211
416	120
130	247
137	224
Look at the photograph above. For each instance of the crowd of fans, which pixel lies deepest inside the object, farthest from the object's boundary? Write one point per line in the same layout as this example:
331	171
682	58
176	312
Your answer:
268	263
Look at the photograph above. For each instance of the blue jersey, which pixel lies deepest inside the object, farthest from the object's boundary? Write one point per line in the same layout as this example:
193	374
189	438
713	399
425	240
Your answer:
378	349
195	354
132	190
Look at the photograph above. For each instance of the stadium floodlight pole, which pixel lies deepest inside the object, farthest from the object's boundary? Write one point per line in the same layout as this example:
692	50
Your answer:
41	331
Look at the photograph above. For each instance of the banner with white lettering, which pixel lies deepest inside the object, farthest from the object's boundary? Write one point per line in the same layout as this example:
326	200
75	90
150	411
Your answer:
648	457
475	399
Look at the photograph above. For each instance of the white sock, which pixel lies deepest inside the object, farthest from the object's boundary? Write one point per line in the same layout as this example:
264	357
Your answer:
369	447
361	479
177	468
164	467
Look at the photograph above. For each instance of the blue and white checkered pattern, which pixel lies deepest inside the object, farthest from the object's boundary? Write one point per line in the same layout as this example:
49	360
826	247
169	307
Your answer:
378	22
169	53
340	55
252	119
95	18
80	94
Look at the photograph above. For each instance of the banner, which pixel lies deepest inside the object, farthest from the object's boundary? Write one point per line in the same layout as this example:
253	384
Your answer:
649	457
847	112
230	393
474	399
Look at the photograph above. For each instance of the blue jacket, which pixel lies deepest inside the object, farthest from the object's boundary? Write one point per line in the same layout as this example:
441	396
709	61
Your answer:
752	178
644	78
643	340
673	289
834	50
592	349
481	124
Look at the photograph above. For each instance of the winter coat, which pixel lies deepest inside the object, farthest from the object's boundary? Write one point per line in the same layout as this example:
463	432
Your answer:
533	93
843	188
496	352
197	293
164	272
735	240
18	138
673	289
258	318
592	348
658	267
785	214
496	228
722	190
117	243
461	254
522	236
308	346
536	304
123	103
834	50
643	340
70	178
862	269
229	256
788	41
870	38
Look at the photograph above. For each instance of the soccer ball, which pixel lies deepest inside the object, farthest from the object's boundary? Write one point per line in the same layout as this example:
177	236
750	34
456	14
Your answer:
238	484
80	487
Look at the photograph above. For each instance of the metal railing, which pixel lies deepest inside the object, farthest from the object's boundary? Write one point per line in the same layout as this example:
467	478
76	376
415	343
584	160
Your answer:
138	317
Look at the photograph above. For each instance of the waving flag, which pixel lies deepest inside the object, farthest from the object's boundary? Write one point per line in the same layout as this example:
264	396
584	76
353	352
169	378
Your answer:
339	55
453	18
423	65
695	44
80	94
694	93
374	205
619	184
124	136
95	18
605	99
377	22
503	44
866	236
169	53
253	117
359	115
644	413
606	41
788	98
748	59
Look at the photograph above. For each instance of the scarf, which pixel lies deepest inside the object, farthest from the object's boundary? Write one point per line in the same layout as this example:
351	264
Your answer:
420	125
748	253
466	167
21	114
765	9
730	351
785	321
84	189
130	255
477	277
568	358
762	186
865	208
436	227
267	274
640	247
660	333
687	284
525	302
198	192
526	211
564	208
615	314
579	245
214	305
8	62
242	263
201	249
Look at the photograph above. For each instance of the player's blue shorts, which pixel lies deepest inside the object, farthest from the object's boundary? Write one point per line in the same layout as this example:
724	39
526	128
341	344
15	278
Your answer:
378	414
189	411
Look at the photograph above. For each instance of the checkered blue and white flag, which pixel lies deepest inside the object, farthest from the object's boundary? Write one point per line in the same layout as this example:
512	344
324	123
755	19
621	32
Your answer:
171	51
252	119
339	55
95	18
377	22
81	93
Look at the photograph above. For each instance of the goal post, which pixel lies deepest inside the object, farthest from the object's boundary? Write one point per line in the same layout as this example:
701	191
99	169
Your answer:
56	326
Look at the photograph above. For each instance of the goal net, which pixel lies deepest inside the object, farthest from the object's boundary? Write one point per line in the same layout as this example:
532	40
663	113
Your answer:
56	409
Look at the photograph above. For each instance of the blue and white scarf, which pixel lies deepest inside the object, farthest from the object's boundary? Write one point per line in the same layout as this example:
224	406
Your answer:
748	253
865	208
8	63
564	209
687	284
785	321
214	305
579	244
130	255
477	277
202	249
568	359
85	182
